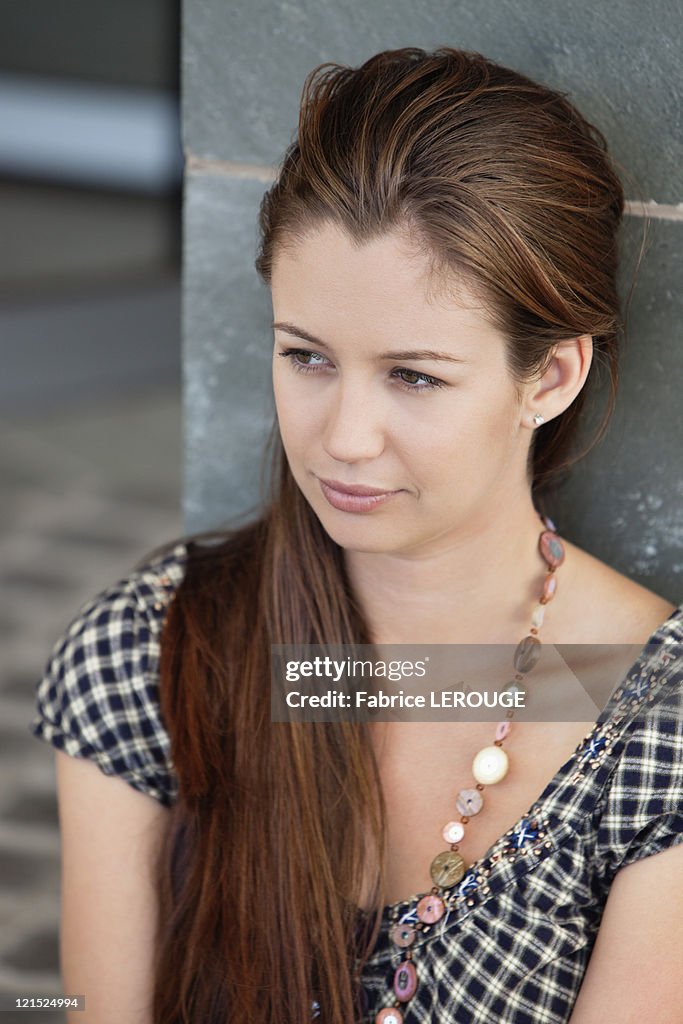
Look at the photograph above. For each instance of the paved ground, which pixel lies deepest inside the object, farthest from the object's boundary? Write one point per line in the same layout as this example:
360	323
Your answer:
84	495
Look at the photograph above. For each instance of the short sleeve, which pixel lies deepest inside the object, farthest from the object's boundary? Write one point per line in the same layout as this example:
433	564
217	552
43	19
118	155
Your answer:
642	810
98	697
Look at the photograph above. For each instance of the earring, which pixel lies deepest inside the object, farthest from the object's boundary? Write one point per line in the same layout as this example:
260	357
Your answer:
538	419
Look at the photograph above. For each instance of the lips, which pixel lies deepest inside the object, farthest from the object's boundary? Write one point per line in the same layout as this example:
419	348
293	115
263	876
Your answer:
354	497
362	489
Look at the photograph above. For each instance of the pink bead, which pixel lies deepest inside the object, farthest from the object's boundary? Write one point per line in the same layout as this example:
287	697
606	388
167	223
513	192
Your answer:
403	934
430	909
549	587
502	730
405	981
552	548
389	1015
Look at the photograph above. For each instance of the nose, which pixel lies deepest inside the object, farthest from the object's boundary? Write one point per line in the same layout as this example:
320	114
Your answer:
354	428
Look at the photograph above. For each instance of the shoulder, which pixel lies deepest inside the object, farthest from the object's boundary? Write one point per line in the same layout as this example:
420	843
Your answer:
639	852
606	606
641	808
98	696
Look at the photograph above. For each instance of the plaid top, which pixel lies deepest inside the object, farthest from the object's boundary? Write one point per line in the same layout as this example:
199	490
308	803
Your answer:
515	942
99	694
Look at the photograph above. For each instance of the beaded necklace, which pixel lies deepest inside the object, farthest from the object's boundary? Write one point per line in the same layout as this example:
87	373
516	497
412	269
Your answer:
490	765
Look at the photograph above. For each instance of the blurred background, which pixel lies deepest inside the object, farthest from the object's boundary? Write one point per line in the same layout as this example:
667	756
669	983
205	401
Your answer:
90	450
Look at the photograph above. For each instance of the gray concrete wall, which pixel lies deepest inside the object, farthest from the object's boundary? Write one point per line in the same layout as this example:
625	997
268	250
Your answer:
620	62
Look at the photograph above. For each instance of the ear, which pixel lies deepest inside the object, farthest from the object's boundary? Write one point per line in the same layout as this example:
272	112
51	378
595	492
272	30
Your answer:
561	381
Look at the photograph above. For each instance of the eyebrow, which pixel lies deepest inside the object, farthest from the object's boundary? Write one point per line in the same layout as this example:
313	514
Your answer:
424	353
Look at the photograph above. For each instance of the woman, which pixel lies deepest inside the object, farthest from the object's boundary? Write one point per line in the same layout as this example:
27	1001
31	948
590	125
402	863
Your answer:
440	248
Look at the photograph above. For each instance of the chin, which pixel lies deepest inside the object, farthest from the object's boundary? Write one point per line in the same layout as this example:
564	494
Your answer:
358	534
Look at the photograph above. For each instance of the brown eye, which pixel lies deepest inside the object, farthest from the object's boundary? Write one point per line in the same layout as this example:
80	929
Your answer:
411	380
292	354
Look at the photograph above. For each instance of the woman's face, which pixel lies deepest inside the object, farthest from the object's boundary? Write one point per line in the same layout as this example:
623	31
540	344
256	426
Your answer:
378	382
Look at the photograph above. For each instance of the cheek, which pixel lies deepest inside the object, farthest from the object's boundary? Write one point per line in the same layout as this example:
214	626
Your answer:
469	441
436	435
297	416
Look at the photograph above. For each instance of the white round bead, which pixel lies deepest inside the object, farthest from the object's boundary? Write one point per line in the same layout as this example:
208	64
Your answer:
453	832
490	765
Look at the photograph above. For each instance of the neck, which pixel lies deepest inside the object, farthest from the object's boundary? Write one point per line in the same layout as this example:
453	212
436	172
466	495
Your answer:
478	584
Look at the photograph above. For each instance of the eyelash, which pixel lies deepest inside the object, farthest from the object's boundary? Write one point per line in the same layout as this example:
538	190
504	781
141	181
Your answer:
430	382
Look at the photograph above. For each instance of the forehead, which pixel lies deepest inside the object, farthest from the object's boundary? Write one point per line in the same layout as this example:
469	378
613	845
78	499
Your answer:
384	288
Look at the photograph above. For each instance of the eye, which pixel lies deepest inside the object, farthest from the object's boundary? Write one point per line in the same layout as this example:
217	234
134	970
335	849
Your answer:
293	353
409	384
430	382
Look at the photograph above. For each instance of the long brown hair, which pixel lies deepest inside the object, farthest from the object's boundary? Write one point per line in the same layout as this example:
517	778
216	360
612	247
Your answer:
498	179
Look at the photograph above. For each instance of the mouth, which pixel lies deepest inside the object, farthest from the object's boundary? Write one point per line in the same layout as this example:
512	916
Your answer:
361	489
354	497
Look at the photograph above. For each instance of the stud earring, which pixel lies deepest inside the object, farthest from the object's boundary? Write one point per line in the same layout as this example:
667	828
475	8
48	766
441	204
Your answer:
538	419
